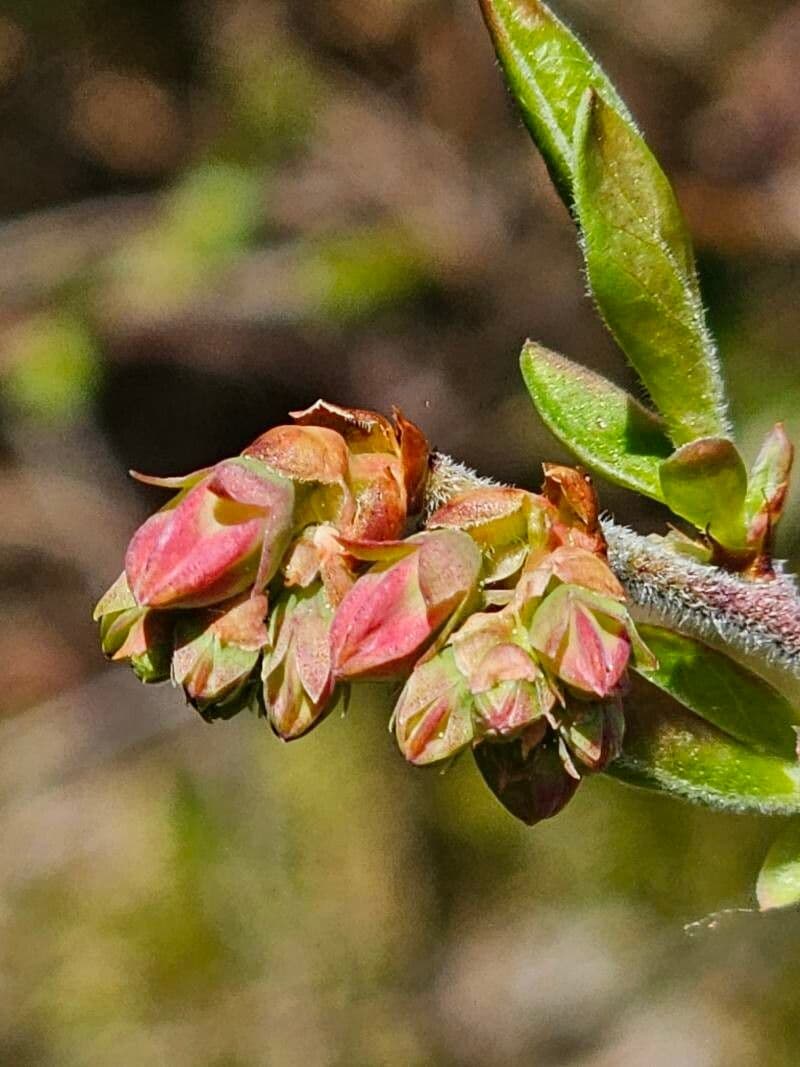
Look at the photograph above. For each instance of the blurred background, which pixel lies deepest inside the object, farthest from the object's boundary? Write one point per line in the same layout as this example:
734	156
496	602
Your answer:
215	211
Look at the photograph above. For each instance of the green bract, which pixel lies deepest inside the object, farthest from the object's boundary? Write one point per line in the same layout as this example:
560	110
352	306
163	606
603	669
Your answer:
706	482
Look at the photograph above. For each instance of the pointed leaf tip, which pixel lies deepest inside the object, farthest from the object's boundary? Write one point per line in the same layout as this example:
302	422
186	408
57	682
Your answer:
548	71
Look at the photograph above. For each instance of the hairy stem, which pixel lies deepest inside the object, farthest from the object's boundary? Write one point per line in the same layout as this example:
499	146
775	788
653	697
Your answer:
755	622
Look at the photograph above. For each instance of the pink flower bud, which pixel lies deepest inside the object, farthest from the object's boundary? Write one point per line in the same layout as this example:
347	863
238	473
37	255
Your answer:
530	782
568	565
369	432
224	533
585	638
766	496
394	611
504	522
316	459
216	652
319	554
361	471
433	715
380	498
510	690
298	683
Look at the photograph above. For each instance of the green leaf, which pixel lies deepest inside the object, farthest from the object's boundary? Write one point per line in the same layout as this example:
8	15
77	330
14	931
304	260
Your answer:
722	692
548	71
779	880
705	482
603	425
641	271
669	749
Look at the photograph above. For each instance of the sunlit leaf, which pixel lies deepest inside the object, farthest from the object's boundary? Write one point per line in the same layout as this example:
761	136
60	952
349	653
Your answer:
706	482
641	271
603	425
722	692
779	880
669	749
548	70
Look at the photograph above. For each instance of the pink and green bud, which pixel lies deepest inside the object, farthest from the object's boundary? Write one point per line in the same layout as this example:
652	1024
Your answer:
298	683
353	468
134	635
530	781
433	717
566	565
768	485
216	653
366	432
586	639
316	460
381	504
510	690
395	610
505	523
319	554
224	533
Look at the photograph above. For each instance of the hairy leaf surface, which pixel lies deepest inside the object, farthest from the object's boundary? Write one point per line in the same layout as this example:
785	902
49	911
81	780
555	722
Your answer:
641	271
603	425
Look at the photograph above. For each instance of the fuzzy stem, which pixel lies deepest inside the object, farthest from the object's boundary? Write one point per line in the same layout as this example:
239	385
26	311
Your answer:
756	622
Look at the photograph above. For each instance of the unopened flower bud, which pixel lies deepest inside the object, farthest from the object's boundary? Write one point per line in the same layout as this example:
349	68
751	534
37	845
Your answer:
566	565
510	690
380	498
367	432
766	495
135	635
532	783
216	653
433	716
224	533
315	459
354	468
394	611
571	493
586	639
298	683
504	522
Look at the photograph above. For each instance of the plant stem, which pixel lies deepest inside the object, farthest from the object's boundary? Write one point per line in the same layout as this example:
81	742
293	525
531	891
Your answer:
755	622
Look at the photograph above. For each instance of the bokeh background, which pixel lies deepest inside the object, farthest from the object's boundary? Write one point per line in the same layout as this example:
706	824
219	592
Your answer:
218	210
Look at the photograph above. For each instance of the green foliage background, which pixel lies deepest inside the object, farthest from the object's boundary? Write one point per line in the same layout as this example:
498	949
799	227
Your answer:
216	212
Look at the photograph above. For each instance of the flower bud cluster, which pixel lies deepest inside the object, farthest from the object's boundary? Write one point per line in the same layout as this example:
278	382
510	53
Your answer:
230	590
533	682
276	578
